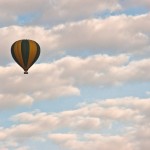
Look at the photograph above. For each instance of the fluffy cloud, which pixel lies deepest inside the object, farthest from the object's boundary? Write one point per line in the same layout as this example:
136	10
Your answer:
103	70
66	10
79	49
133	137
128	109
51	11
92	141
117	34
12	100
66	75
100	118
19	89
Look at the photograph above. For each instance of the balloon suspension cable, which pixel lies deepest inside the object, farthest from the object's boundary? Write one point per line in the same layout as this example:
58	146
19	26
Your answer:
25	72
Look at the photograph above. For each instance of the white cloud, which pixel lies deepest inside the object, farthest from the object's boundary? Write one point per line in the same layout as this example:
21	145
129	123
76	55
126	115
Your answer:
95	117
135	135
65	10
11	96
20	89
87	51
66	75
93	141
62	75
63	137
91	116
116	34
57	11
12	100
103	70
52	11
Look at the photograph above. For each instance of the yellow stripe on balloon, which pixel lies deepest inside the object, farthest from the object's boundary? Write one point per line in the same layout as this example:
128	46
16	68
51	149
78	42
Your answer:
32	53
18	53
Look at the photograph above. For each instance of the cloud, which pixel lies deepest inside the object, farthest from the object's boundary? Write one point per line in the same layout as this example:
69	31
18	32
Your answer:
139	136
67	75
115	34
65	10
136	3
8	101
19	89
23	148
91	116
92	141
134	136
83	44
111	70
63	137
39	34
92	125
62	75
51	11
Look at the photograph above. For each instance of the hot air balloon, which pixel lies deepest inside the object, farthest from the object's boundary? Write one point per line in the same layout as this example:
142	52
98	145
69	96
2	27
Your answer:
25	53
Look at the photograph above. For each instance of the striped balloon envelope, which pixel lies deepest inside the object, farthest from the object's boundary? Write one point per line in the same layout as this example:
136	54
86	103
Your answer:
25	53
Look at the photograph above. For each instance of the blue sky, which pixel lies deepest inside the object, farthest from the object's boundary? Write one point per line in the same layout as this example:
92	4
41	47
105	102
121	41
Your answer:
89	88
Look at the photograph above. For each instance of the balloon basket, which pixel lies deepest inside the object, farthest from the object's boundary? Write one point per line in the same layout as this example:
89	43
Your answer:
25	72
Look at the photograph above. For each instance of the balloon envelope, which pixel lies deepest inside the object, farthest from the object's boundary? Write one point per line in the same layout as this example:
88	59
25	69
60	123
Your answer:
25	53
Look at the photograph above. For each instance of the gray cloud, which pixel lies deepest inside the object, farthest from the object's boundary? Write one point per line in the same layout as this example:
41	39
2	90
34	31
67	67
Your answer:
136	3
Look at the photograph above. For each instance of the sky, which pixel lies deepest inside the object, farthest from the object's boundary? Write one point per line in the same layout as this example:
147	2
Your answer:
89	89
